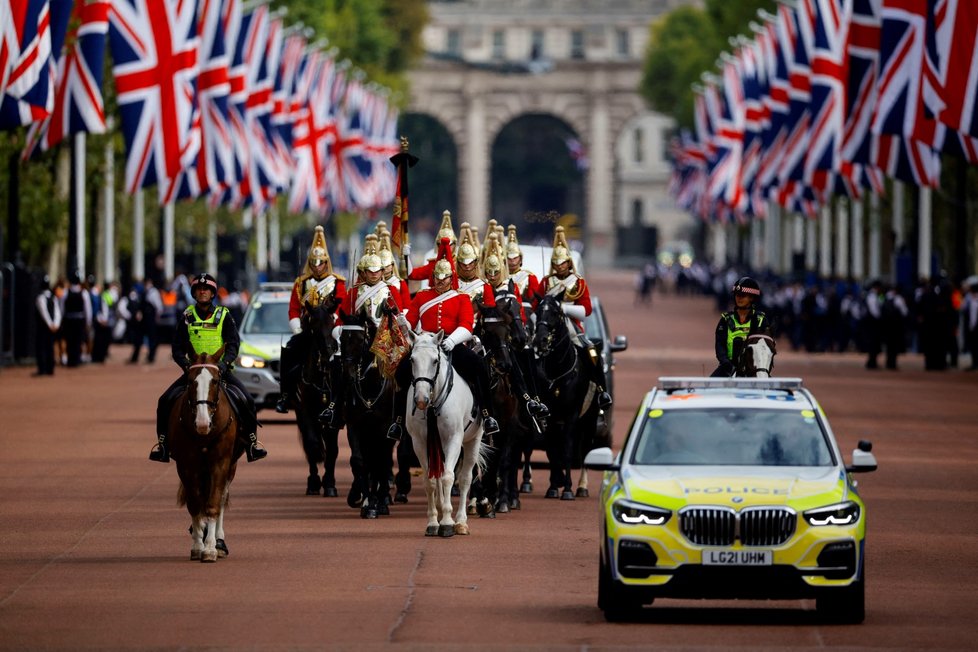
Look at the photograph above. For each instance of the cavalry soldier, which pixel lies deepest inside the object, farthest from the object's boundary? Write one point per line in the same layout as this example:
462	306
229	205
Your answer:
526	281
398	285
470	281
737	324
316	285
576	306
497	277
206	328
442	308
423	273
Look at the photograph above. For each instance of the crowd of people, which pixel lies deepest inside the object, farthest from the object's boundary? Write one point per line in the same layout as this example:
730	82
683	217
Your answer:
935	318
78	319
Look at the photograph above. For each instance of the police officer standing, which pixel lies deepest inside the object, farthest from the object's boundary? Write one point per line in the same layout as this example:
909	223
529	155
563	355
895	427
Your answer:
737	324
206	328
77	311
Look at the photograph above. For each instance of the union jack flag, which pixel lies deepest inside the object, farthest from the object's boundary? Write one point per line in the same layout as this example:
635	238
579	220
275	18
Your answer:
78	104
953	64
154	46
314	131
349	175
32	31
283	92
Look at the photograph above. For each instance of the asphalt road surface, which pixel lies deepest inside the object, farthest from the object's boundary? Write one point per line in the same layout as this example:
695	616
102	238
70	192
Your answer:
94	552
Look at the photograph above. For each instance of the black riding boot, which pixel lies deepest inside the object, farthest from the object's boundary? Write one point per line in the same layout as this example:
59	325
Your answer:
160	452
333	414
286	380
490	426
249	424
603	397
402	381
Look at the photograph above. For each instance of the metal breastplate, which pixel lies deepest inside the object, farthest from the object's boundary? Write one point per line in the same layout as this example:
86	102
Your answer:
314	292
473	288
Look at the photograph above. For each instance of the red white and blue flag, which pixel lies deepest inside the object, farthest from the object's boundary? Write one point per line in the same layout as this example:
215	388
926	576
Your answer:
154	48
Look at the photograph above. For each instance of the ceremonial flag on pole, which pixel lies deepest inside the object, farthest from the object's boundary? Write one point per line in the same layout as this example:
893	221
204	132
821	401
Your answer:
399	233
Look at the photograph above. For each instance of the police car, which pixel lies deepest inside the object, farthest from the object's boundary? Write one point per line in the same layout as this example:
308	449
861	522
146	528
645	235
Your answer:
732	488
264	330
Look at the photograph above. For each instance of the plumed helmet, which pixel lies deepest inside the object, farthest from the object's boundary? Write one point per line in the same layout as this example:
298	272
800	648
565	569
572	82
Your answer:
467	250
444	266
446	230
747	285
443	269
204	280
494	261
370	260
318	253
562	250
385	252
512	244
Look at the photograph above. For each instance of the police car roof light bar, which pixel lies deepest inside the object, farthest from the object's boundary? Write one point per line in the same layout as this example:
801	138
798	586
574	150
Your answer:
673	383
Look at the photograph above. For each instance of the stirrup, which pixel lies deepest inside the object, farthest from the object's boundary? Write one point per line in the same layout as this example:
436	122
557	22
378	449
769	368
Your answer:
537	409
160	454
254	451
490	426
395	432
282	405
604	400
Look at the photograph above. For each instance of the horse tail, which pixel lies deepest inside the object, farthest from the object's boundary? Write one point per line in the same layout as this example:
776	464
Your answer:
436	455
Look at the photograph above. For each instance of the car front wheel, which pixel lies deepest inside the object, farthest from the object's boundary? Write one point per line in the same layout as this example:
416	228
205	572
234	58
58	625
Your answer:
619	603
845	605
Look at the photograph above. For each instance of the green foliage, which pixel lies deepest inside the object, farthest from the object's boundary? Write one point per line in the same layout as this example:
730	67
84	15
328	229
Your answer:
684	44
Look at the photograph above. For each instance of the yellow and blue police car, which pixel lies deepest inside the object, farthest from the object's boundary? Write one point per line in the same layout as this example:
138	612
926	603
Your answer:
264	329
732	488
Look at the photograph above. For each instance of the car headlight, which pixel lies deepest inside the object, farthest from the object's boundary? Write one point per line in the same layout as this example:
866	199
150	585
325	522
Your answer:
632	513
845	513
250	362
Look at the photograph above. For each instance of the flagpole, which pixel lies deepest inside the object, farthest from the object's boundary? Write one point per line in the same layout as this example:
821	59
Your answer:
402	161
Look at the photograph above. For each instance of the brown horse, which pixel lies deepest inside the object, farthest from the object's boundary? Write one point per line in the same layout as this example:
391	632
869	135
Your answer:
203	436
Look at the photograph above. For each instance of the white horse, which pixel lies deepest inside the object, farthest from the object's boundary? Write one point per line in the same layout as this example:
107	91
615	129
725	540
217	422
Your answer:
443	426
758	356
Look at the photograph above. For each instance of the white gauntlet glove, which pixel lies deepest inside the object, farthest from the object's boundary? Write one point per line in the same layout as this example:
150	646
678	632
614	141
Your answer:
406	249
574	311
296	325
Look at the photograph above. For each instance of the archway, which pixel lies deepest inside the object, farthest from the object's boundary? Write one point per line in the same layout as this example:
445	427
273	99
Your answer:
538	170
434	180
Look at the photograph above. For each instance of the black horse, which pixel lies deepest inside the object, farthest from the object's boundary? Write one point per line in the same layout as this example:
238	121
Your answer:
504	337
315	391
368	405
564	384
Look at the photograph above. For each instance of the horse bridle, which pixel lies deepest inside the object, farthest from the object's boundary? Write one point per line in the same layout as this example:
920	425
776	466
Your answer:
756	338
446	389
211	405
359	376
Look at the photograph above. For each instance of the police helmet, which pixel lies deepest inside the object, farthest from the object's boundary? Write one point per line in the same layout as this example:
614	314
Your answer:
205	280
747	285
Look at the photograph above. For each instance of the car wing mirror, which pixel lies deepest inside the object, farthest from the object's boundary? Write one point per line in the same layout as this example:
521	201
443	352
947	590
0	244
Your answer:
620	343
601	459
863	460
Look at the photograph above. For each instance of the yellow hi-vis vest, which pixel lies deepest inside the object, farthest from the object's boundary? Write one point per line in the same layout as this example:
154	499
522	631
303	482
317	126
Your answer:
205	334
736	330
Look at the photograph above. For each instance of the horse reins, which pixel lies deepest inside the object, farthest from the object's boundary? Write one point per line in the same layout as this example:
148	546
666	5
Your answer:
447	386
211	405
359	376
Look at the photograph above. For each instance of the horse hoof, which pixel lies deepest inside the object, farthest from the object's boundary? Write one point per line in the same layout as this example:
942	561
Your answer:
368	512
582	492
431	531
471	510
222	548
208	556
446	531
485	510
461	528
383	509
354	499
195	555
515	504
502	507
526	488
567	494
551	493
330	492
400	498
313	485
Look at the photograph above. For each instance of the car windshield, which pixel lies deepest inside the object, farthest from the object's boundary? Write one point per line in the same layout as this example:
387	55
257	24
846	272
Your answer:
266	318
727	437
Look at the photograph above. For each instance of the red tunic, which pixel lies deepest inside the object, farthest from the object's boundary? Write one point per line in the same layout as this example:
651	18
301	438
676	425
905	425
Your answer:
446	315
422	273
350	301
299	289
583	299
530	285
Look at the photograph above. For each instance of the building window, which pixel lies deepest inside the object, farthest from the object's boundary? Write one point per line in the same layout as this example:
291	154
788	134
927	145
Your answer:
577	44
453	42
622	43
637	210
536	45
498	44
638	146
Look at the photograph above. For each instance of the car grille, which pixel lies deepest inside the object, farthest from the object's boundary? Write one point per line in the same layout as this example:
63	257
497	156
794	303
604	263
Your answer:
721	526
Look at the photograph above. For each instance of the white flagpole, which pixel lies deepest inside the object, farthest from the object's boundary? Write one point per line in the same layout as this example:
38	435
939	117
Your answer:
79	190
261	242
842	239
925	235
108	218
212	245
874	236
168	242
858	266
274	238
825	241
138	237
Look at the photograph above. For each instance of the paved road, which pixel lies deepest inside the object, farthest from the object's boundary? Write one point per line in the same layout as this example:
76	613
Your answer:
94	550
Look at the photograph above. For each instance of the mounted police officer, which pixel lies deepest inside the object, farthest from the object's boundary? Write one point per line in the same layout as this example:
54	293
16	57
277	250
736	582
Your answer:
316	285
443	308
737	324
563	278
206	328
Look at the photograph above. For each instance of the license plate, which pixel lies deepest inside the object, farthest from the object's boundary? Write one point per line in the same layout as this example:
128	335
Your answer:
737	557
